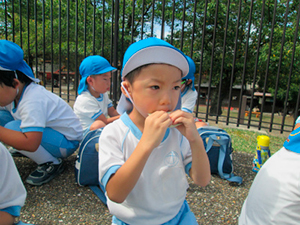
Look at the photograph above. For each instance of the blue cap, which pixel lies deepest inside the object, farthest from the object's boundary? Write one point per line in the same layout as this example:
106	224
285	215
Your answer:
192	71
11	59
92	65
149	51
153	50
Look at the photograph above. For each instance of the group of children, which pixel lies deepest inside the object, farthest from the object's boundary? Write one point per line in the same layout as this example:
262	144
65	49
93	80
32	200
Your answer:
147	145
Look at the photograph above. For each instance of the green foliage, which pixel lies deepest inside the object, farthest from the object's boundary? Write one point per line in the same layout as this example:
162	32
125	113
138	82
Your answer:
76	28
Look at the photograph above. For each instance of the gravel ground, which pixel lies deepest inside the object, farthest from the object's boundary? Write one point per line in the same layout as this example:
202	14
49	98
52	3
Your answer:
62	201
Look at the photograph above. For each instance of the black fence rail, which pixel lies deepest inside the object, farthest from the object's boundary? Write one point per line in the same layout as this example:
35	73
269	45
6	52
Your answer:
246	52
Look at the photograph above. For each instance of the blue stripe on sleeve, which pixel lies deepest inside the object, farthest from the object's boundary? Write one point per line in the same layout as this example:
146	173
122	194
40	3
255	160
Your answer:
112	170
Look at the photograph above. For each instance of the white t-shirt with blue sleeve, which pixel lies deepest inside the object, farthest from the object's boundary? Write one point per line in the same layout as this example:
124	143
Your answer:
39	108
88	108
161	189
188	100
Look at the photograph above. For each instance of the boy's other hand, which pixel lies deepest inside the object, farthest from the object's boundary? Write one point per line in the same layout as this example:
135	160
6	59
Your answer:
187	125
155	127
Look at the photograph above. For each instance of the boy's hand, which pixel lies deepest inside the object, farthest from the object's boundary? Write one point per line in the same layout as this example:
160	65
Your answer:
155	128
187	125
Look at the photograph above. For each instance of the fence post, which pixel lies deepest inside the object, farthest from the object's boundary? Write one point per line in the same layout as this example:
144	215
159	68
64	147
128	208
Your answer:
243	109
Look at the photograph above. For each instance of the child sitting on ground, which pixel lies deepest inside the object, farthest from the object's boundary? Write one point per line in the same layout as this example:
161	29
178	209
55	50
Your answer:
92	105
188	92
12	190
38	123
274	196
142	161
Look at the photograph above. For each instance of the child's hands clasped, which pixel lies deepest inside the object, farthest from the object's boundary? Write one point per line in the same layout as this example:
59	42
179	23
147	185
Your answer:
155	127
187	125
157	123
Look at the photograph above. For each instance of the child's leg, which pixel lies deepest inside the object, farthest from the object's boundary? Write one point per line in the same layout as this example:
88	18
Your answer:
5	117
57	144
52	141
53	147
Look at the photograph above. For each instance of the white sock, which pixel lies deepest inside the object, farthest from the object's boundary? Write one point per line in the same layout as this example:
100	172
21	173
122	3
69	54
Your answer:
40	156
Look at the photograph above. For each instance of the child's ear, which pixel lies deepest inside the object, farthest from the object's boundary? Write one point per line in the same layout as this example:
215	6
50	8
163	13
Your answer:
89	80
125	84
16	83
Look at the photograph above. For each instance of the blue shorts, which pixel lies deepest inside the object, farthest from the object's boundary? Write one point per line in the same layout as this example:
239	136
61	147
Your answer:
53	141
5	117
185	216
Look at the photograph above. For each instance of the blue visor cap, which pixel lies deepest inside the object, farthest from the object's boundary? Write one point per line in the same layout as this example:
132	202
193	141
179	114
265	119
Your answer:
192	71
149	51
11	58
153	50
92	65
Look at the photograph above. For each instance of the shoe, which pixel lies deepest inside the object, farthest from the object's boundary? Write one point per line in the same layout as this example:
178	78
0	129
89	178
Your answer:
15	153
45	172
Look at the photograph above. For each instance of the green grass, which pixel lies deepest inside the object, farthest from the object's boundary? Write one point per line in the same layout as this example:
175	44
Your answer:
246	141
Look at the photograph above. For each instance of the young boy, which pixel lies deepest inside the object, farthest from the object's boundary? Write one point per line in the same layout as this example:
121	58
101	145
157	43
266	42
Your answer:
12	190
43	127
141	160
92	105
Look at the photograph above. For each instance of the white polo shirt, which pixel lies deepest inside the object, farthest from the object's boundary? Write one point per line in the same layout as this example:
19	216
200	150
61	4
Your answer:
39	108
188	100
161	189
88	108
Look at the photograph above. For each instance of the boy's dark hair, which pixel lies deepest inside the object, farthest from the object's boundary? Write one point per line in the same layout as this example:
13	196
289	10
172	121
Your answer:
133	74
7	78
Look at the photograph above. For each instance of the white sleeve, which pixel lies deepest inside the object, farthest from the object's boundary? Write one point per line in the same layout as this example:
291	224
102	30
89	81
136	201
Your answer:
12	190
297	120
188	101
111	157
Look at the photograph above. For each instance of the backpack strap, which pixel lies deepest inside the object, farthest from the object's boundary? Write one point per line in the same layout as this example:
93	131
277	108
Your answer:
99	192
223	141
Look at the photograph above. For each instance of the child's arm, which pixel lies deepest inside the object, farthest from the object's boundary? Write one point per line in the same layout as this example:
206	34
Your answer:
101	121
200	170
112	112
6	218
123	181
28	141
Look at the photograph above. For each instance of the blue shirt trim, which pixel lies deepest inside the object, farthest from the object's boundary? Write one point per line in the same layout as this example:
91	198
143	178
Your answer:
112	170
13	210
96	115
184	91
15	107
186	110
110	105
100	98
33	129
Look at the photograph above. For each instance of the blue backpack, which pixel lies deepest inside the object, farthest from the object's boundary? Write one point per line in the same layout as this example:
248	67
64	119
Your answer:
218	146
86	165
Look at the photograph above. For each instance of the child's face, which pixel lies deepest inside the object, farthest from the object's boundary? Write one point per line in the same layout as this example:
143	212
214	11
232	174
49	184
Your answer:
156	87
101	82
7	95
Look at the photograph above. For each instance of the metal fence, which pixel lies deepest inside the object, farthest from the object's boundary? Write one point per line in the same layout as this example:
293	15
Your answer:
246	52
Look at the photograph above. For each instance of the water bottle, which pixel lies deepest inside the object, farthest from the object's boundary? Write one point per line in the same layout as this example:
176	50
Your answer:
262	152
